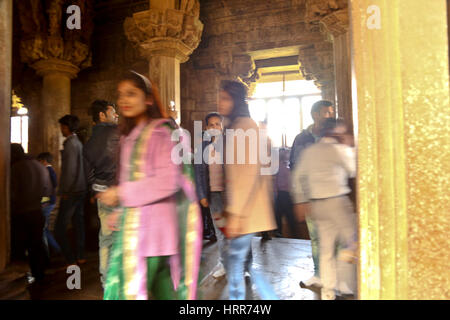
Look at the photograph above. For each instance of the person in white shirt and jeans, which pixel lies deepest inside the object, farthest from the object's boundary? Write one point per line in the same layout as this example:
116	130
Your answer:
321	178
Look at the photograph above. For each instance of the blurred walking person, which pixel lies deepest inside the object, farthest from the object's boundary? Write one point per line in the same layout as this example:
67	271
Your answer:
49	203
72	189
152	256
30	182
101	154
321	178
249	200
283	201
320	111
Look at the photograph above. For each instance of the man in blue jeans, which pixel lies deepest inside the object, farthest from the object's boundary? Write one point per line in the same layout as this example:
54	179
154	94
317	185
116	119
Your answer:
48	203
210	183
72	189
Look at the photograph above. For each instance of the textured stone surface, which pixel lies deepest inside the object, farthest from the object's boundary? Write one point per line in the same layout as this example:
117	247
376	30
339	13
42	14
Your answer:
5	102
234	32
284	263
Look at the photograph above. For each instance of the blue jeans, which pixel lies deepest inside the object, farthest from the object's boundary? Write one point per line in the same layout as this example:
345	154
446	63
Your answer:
49	240
239	260
72	207
216	207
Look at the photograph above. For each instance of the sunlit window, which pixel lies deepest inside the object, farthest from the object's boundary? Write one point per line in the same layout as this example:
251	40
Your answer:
19	123
285	113
291	88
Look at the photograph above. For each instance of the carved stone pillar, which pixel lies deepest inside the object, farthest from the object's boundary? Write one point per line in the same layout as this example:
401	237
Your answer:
5	105
330	17
336	24
317	63
328	90
166	35
57	57
56	83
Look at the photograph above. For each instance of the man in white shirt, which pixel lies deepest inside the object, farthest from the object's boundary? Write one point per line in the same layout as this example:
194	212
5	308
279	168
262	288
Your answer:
321	178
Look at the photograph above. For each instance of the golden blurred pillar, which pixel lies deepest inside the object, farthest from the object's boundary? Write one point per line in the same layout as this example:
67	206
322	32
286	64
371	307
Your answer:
401	98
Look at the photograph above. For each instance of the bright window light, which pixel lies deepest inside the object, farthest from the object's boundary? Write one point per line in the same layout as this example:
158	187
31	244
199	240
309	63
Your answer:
19	131
291	88
22	111
287	112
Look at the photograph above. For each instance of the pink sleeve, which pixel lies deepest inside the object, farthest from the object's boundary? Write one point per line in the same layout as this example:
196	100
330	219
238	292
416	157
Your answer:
161	174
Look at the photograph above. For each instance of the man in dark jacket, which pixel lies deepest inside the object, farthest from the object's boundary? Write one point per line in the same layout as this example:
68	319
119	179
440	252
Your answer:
210	186
101	160
72	189
29	184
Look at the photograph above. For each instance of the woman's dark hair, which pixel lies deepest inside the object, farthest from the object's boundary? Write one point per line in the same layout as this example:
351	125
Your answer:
213	115
17	152
99	106
45	156
72	122
238	92
154	111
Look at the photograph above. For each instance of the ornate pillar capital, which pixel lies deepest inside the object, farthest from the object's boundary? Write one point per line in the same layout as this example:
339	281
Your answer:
42	39
52	65
171	32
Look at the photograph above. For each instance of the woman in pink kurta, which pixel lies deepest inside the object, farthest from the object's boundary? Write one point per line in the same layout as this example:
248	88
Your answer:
146	258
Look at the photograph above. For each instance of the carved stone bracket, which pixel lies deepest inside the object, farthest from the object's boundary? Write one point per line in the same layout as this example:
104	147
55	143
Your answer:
169	32
336	23
317	63
316	10
42	39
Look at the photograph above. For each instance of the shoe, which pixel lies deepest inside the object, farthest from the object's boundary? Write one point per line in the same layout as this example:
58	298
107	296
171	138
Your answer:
327	295
220	272
266	236
344	291
311	282
30	278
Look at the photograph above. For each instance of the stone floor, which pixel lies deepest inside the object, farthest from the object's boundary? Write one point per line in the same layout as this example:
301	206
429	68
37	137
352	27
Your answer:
283	261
